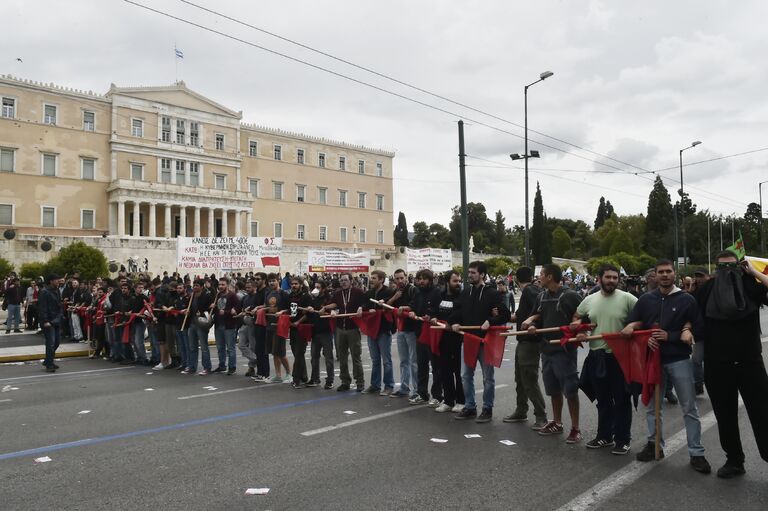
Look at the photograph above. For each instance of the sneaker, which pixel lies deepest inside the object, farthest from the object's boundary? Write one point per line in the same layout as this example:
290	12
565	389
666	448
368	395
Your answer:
730	470
159	366
649	453
219	370
328	386
297	385
399	393
551	428
515	417
343	387
442	408
386	392
621	449
539	424
466	413
599	443
700	464
312	383
573	437
203	372
230	371
360	388
250	372
275	379
433	403
371	390
457	408
416	400
485	416
187	370
288	379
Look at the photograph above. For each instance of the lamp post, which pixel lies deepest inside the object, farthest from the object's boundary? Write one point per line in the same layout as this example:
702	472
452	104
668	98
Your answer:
682	196
762	232
533	154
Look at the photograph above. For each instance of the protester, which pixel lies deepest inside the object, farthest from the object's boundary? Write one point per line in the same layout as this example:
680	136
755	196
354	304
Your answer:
701	276
321	336
380	345
13	300
276	303
426	304
226	308
200	312
449	361
406	337
51	317
298	301
348	300
246	335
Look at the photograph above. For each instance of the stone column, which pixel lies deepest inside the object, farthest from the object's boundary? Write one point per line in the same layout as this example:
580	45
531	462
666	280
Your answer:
211	223
167	211
182	220
224	226
238	223
121	218
136	223
152	220
197	221
248	222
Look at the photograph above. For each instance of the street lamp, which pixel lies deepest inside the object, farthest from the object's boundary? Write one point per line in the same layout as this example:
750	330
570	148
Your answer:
533	154
682	196
762	232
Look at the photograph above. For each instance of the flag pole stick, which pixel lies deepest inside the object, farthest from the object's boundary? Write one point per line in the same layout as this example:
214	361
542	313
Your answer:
657	418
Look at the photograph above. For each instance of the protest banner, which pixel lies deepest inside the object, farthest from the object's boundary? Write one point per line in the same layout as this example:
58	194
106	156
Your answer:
435	259
334	261
227	253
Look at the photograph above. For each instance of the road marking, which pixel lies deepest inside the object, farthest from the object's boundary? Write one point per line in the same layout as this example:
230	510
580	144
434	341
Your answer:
195	396
59	375
5	400
373	417
172	427
615	483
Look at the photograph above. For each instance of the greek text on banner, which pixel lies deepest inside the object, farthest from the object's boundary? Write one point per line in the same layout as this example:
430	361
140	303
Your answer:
227	253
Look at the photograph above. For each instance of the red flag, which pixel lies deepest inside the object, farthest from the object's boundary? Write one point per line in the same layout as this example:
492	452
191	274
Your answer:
261	317
401	316
471	349
284	326
127	329
435	337
369	323
493	351
270	260
568	332
638	363
305	331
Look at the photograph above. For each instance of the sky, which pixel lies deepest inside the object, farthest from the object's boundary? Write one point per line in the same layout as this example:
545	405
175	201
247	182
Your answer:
634	82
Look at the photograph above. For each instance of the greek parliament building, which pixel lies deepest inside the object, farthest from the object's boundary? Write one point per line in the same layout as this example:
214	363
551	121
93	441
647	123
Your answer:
154	163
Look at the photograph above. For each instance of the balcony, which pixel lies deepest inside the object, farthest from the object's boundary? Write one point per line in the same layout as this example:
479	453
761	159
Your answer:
134	188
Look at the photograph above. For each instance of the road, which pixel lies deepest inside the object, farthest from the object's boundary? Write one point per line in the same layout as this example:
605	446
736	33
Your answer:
182	446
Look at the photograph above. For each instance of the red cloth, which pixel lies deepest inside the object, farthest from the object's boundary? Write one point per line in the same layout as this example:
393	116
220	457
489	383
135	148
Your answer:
270	261
261	317
638	363
369	323
494	345
305	331
284	326
401	317
471	349
568	332
127	328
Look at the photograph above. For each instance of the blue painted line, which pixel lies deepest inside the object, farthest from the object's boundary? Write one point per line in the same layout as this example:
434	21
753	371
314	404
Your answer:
170	427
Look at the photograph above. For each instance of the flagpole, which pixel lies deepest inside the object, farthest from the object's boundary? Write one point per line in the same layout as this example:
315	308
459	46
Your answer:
176	62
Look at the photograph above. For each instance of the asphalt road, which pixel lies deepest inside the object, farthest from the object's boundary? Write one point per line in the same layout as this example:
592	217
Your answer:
181	446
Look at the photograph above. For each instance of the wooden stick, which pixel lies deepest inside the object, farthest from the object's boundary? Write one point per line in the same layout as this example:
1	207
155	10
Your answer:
385	305
186	312
574	339
657	419
328	316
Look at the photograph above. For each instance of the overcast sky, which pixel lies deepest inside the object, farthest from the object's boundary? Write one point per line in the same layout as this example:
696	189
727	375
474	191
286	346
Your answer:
636	81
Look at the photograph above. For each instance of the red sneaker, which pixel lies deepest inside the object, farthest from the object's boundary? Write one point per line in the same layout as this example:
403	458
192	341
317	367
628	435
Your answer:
552	428
573	437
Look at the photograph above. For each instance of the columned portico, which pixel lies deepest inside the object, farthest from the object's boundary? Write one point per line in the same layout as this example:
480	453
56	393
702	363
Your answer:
197	222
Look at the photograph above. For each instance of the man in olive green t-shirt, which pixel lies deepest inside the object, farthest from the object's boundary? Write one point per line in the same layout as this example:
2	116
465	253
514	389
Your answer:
601	371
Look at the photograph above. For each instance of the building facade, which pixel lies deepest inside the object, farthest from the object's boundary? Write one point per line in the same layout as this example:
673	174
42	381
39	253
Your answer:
162	162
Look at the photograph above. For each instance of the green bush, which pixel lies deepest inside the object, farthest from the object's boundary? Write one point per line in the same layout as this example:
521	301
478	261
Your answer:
33	270
79	258
500	265
5	267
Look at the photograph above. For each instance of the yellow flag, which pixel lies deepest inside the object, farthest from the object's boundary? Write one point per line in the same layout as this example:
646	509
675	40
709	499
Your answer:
759	264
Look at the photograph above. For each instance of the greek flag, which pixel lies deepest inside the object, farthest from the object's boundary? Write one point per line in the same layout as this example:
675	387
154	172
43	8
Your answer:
179	53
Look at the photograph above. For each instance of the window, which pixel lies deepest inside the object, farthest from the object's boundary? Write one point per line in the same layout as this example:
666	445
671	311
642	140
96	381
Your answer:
380	202
342	234
363	235
9	108
343	198
194	173
88	169
165	124
221	182
137	171
219	142
361	196
301	192
278	230
252	148
342	163
6	214
165	170
48	216
89	121
380	237
87	219
194	136
49	114
299	156
7	160
254	229
49	164
253	187
180	131
181	172
323	233
321	160
277	190
300	232
322	195
137	127
278	152
361	166
379	169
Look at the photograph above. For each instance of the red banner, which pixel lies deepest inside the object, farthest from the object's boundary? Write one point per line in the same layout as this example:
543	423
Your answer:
284	326
369	323
638	363
305	331
493	352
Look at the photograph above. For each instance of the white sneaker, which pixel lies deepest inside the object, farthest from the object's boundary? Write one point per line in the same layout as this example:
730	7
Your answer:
275	379
457	408
288	379
159	366
433	403
443	408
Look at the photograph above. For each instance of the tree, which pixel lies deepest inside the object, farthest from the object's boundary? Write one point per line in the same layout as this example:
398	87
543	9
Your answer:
621	243
500	265
79	258
751	228
561	242
33	270
499	232
540	240
600	218
480	226
658	231
5	267
608	209
401	231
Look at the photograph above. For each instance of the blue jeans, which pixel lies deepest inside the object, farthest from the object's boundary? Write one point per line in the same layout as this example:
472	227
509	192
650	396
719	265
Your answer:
468	381
226	342
152	329
52	336
680	374
409	367
14	316
381	351
138	340
183	344
198	341
118	351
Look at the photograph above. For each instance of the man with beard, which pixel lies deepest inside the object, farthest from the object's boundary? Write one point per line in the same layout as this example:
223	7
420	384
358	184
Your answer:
51	318
298	299
601	372
425	304
247	334
226	308
449	362
260	331
406	338
730	303
197	335
348	300
321	336
380	346
276	302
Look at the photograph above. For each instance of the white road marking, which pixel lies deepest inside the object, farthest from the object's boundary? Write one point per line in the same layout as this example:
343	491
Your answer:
373	417
5	400
194	396
59	375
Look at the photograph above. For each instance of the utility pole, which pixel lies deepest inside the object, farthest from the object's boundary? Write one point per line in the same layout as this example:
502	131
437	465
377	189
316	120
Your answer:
463	207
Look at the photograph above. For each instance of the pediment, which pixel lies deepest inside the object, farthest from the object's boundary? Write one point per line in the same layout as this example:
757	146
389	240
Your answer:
176	95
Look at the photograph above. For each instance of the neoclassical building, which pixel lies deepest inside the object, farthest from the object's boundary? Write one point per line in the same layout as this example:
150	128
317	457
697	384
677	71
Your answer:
160	162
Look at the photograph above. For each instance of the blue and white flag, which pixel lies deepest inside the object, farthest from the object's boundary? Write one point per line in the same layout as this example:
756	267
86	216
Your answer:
179	53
